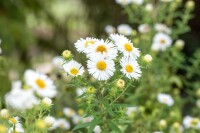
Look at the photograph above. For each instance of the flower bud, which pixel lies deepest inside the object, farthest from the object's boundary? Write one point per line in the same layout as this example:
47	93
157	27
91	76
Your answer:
147	58
46	102
176	125
194	122
179	44
4	113
67	54
40	124
190	4
120	83
163	123
49	121
3	129
91	90
80	111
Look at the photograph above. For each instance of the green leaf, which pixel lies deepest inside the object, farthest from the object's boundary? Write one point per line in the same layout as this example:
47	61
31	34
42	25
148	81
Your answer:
83	125
114	127
93	124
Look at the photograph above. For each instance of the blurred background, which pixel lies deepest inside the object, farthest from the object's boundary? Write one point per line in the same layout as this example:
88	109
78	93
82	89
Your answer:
36	31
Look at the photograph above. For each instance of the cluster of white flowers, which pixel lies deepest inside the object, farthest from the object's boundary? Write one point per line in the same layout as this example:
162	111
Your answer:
23	97
127	2
161	40
123	29
16	125
102	56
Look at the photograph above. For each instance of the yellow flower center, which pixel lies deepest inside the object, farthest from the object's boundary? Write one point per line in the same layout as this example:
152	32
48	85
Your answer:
162	41
101	48
101	65
129	68
194	122
89	43
165	100
74	71
13	120
41	83
128	47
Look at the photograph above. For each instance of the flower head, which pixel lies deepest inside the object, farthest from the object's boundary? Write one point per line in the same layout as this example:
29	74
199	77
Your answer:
73	68
165	99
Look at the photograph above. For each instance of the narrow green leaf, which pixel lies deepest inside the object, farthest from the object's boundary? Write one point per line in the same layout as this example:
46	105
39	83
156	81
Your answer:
83	125
93	124
114	127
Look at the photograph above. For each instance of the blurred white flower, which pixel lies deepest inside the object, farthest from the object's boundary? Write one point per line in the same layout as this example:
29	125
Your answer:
147	58
123	2
14	120
42	84
80	91
18	129
161	42
19	98
162	28
61	123
109	29
166	0
49	121
131	110
44	68
165	99
149	7
138	2
69	112
73	68
87	119
57	62
144	28
46	102
191	122
124	29
76	119
179	43
97	129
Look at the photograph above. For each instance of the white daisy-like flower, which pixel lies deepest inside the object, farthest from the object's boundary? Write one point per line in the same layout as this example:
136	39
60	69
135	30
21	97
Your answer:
14	120
124	29
138	2
82	44
109	29
61	123
18	129
191	122
80	91
165	99
144	28
87	119
123	2
57	62
69	112
161	42
76	119
125	46
20	99
105	48
101	68
159	27
42	84
149	7
130	68
73	68
131	110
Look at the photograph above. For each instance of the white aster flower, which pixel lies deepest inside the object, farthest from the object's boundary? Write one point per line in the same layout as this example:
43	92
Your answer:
166	0
19	98
130	68
125	46
80	91
144	28
87	119
165	99
14	120
61	123
159	27
101	68
73	68
82	44
69	112
49	121
161	42
109	29
76	119
149	7
105	48
123	2
124	29
57	62
191	122
42	84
